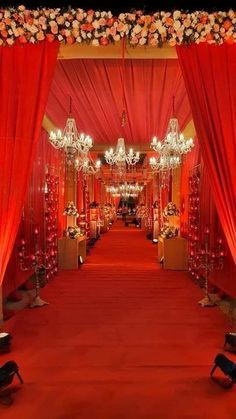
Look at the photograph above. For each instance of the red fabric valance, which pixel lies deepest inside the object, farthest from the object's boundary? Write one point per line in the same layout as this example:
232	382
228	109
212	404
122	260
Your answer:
25	77
210	77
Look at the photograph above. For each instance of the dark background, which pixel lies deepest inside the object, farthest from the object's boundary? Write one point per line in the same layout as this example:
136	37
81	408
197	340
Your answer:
124	6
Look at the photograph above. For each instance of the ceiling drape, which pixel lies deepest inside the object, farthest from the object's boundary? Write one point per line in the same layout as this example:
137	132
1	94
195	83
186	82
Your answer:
210	77
96	90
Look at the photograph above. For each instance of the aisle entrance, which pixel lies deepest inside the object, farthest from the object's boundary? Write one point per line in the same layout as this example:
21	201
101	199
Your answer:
121	339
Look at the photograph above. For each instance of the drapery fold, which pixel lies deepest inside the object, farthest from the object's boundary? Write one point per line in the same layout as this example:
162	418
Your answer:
97	98
209	72
25	77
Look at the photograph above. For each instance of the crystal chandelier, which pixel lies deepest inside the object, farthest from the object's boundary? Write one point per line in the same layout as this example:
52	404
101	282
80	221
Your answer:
171	148
71	140
120	157
85	164
125	190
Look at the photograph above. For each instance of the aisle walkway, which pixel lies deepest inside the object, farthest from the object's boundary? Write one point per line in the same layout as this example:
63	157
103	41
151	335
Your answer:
121	339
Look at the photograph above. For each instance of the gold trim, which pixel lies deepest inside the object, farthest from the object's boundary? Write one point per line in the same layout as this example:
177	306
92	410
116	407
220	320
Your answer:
112	51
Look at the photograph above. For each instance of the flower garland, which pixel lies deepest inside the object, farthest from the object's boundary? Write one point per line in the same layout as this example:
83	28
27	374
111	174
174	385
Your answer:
71	209
102	28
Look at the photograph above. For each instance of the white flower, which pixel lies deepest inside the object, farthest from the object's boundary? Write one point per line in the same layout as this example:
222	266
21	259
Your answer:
121	17
176	14
67	24
142	41
83	34
176	25
97	14
117	37
75	24
96	24
103	14
79	39
32	40
60	37
89	35
95	42
188	32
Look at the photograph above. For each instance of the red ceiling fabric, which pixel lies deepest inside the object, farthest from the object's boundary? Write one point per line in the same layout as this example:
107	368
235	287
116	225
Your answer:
210	78
25	77
96	90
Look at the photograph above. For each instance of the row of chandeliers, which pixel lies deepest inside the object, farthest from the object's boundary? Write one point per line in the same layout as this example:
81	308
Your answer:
77	148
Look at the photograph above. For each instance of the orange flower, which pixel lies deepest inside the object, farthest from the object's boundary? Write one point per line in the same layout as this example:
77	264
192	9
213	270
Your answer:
4	34
227	24
70	40
169	21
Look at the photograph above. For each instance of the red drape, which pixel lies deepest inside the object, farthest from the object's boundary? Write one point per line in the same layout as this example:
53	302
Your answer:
25	77
210	77
47	160
96	90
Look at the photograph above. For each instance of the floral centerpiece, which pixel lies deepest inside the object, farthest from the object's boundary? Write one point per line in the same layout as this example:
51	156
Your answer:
71	210
74	232
170	210
168	232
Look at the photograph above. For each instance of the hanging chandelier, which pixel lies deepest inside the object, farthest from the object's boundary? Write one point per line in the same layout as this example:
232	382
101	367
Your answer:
171	148
125	190
120	157
85	164
70	139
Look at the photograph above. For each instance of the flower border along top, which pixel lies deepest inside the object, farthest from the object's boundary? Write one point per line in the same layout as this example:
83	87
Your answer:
102	28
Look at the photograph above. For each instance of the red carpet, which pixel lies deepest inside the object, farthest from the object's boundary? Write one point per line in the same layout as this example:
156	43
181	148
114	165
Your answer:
121	339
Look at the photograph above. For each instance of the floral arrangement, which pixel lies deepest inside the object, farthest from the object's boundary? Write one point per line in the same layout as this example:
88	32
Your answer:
74	232
170	209
168	232
102	28
71	209
93	204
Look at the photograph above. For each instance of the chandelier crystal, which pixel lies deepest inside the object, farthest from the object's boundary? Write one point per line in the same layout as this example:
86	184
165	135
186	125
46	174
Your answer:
85	164
171	148
71	140
120	157
125	190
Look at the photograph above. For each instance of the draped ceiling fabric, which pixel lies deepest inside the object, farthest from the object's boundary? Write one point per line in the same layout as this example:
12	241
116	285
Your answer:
210	77
96	90
25	77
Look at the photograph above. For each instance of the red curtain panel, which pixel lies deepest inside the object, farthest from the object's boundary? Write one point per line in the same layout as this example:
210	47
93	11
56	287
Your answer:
209	72
25	77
